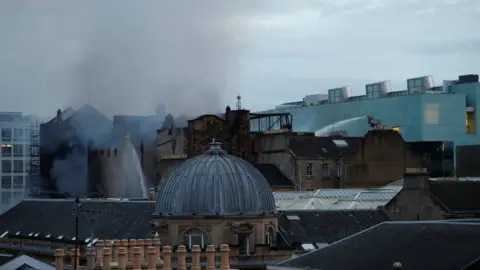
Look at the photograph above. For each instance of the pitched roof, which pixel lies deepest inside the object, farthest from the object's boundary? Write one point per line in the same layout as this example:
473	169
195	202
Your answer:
457	196
417	245
274	176
326	226
25	262
118	219
323	147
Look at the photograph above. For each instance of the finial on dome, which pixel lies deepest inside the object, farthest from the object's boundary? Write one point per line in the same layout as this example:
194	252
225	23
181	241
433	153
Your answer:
215	147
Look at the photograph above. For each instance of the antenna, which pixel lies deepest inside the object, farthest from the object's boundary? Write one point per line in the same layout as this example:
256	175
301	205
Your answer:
239	102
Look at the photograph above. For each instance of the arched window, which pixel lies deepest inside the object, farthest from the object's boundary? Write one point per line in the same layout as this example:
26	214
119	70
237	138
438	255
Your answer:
269	236
194	237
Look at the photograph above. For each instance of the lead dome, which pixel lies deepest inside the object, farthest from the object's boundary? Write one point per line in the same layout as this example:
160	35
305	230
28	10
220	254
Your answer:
215	184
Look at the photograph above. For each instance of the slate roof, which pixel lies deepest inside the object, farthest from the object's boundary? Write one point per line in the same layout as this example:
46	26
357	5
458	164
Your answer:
25	262
118	219
322	147
274	176
457	196
215	183
326	226
417	245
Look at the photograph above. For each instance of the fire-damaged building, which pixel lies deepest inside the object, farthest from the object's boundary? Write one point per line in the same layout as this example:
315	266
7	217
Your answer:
64	142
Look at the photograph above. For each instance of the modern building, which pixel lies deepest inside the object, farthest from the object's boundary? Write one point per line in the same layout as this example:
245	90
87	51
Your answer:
422	112
15	157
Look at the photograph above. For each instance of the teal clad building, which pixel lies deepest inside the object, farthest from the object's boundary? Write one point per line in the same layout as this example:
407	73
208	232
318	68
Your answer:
422	112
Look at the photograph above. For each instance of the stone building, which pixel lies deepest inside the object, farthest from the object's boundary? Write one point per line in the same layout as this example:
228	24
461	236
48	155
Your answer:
218	198
231	128
212	198
425	199
377	159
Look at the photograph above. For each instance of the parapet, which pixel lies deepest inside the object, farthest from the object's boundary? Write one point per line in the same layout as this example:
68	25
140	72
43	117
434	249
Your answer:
143	254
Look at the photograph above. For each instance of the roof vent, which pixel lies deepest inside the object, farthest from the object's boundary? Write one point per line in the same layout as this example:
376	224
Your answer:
340	94
379	89
420	84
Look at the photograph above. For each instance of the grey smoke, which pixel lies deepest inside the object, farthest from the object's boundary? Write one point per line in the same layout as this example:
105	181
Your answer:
121	56
71	174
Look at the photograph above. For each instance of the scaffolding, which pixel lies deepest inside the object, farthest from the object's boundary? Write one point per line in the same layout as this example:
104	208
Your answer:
34	175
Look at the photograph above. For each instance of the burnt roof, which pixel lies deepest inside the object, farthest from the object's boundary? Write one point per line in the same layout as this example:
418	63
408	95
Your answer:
275	177
118	220
417	245
457	196
323	147
326	226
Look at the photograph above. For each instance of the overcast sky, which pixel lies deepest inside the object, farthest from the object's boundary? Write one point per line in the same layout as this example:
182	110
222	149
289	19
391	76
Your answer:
196	55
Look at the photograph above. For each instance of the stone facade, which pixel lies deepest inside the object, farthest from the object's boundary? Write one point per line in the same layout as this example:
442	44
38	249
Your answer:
232	129
375	160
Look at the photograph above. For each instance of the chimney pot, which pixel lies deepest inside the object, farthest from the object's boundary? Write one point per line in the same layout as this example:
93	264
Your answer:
107	258
122	258
152	258
211	257
137	253
59	255
167	258
181	258
225	257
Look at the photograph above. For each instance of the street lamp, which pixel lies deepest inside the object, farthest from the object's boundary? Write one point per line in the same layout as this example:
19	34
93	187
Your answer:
77	208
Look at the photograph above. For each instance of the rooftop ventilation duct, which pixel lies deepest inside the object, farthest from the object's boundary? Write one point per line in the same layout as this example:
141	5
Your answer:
379	89
340	94
420	84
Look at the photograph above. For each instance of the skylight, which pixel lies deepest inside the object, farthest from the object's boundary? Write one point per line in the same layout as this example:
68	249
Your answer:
308	247
340	143
30	234
4	234
293	217
60	237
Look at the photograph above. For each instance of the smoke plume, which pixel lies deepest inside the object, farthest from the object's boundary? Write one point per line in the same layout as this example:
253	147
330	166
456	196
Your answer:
120	56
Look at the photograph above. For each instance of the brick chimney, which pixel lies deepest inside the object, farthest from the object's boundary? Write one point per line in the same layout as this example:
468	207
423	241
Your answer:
416	178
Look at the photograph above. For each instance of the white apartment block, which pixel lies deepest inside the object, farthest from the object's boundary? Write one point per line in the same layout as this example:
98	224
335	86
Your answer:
15	158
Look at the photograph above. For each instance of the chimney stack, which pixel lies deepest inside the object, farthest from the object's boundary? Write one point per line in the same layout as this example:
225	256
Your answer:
415	178
59	264
59	115
151	194
107	258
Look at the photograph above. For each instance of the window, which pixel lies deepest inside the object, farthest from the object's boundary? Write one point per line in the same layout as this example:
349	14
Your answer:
373	91
18	150
6	134
18	166
470	126
18	181
194	237
26	135
26	182
6	181
325	169
243	244
415	84
18	134
334	95
397	129
269	236
309	170
27	166
6	150
27	150
6	166
431	114
6	197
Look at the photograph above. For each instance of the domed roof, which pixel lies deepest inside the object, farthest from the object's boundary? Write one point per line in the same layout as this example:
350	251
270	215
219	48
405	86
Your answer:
215	184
